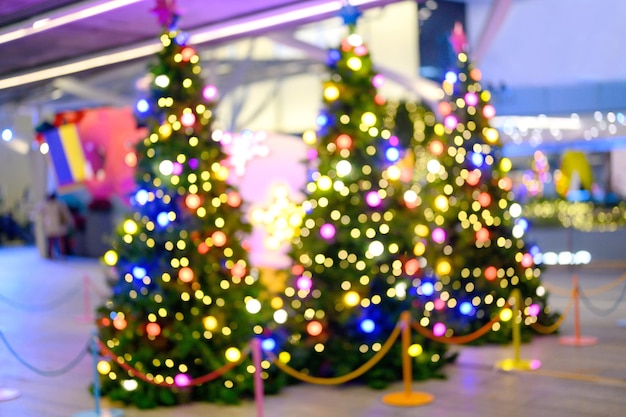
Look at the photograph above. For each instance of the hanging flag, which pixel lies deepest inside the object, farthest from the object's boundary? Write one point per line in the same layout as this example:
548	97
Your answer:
66	154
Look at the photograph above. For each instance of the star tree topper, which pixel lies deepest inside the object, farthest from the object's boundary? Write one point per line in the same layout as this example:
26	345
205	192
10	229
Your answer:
350	14
165	11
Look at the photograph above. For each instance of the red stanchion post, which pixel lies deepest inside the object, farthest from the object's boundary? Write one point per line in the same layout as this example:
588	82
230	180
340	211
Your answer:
258	381
577	339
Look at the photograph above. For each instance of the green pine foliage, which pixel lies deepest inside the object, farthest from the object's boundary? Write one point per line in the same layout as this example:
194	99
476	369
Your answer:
471	227
353	264
185	300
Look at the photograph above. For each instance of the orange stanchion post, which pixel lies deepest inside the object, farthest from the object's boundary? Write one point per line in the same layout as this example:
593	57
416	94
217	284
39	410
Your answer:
407	398
577	339
258	381
517	364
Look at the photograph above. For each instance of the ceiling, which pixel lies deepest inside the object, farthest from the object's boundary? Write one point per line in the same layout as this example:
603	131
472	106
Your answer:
33	66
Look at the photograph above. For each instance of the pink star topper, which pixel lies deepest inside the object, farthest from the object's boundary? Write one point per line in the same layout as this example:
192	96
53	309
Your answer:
458	40
165	10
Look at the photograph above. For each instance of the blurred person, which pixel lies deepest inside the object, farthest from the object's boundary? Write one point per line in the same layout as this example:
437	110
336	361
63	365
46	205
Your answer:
57	222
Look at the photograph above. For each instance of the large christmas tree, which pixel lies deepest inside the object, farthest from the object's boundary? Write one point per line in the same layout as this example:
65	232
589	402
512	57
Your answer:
472	228
354	267
185	302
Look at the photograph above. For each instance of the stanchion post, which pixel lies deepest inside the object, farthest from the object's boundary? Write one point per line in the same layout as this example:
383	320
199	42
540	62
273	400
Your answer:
258	380
98	411
577	339
517	364
87	316
407	398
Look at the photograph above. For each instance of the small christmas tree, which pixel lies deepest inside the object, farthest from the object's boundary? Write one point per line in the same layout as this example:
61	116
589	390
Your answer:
353	264
185	302
472	229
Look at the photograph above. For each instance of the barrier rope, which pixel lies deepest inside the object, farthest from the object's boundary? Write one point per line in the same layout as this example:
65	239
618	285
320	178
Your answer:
540	328
601	312
193	382
344	378
606	287
458	340
42	307
65	369
557	290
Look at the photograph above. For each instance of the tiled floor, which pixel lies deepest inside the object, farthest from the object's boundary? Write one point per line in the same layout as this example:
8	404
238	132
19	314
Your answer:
43	310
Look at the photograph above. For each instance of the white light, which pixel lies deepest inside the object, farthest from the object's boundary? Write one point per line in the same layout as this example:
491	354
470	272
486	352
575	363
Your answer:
565	258
253	306
166	167
376	248
550	258
343	168
515	210
44	149
130	384
280	316
433	166
60	17
582	257
7	135
518	231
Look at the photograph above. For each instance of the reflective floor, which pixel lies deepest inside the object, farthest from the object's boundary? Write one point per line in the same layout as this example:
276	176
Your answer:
44	317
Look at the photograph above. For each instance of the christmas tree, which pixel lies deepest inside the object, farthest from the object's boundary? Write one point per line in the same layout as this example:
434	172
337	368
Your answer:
353	272
185	302
472	228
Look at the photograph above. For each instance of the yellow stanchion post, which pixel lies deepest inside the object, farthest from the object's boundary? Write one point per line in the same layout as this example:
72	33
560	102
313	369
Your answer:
577	339
516	363
407	398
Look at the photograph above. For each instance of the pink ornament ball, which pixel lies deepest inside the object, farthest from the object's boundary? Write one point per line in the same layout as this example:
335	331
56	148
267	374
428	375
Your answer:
439	329
327	231
439	235
182	380
210	92
373	199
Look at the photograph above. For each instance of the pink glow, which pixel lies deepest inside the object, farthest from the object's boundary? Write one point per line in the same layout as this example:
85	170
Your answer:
182	380
327	231
489	111
188	119
534	310
178	168
527	260
373	199
439	304
210	92
439	235
378	80
439	329
450	121
304	283
471	99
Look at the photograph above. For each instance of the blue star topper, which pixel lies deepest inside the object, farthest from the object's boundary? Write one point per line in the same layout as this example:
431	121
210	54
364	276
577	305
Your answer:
350	14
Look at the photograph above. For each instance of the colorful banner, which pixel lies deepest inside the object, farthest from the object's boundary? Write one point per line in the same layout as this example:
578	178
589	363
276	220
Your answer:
66	154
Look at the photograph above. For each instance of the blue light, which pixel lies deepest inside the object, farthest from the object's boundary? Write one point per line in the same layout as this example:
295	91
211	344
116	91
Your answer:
7	135
182	38
139	272
368	325
451	77
523	223
428	288
268	344
322	120
141	197
142	105
466	308
334	55
477	159
534	250
162	219
392	154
